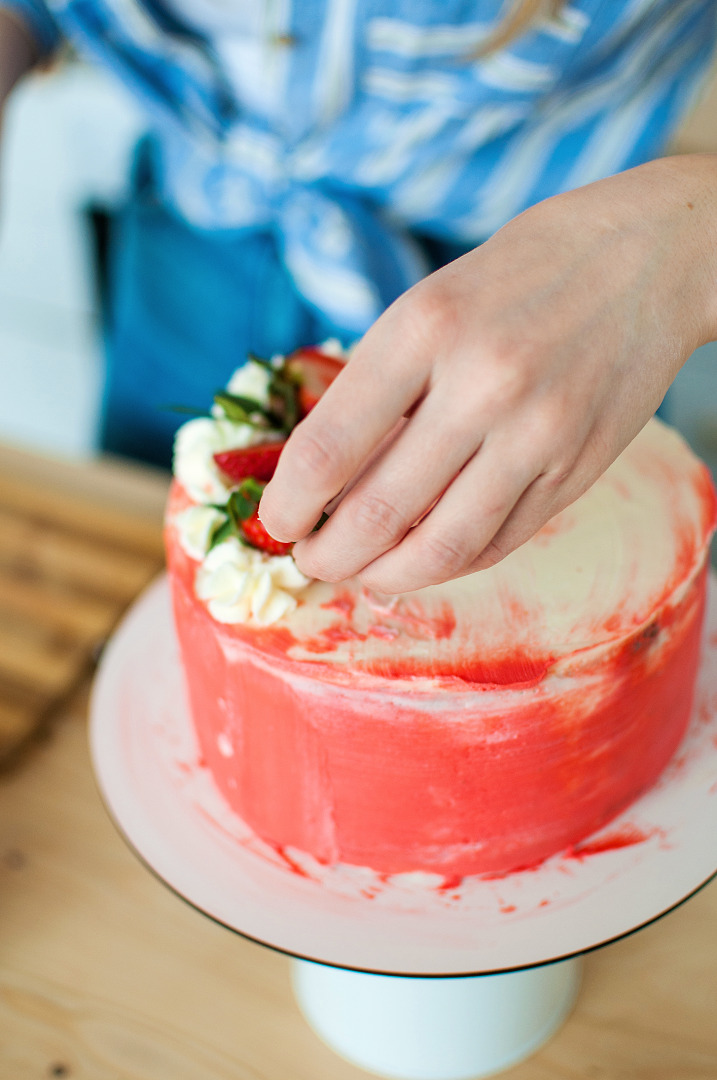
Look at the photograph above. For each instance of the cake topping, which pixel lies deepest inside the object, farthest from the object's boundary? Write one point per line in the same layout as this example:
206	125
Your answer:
257	461
197	527
253	380
238	583
258	537
196	444
313	370
223	462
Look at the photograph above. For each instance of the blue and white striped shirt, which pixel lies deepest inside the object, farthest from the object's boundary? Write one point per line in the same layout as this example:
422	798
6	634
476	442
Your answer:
386	122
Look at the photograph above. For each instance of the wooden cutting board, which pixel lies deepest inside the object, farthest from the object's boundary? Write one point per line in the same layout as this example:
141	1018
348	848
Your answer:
78	541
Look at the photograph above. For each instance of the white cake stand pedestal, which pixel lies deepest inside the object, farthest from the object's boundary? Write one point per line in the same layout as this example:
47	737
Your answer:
440	1028
410	976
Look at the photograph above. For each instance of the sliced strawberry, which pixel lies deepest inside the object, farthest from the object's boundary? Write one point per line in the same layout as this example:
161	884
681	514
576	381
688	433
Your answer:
257	535
314	371
257	461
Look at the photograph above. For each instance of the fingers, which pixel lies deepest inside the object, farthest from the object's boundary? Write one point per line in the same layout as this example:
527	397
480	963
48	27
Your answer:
331	446
451	537
474	470
395	492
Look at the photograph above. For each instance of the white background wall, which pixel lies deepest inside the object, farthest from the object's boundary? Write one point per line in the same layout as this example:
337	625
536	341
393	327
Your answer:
67	139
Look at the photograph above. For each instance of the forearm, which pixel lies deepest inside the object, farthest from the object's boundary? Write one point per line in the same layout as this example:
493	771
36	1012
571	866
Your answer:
18	52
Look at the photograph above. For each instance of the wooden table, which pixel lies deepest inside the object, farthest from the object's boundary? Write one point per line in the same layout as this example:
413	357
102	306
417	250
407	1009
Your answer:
106	975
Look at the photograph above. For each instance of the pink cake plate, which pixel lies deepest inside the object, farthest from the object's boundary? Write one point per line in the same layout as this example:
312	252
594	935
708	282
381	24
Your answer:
645	863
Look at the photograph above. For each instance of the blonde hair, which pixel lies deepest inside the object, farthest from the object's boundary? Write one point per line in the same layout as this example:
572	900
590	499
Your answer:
519	16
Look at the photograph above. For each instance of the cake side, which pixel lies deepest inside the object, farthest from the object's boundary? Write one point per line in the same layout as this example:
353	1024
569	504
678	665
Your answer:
482	781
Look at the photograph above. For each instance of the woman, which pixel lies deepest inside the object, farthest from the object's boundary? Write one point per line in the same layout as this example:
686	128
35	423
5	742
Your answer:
311	163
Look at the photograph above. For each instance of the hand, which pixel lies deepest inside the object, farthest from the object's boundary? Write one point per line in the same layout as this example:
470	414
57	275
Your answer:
523	369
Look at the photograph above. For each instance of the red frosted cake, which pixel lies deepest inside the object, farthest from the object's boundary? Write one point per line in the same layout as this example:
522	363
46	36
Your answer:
474	727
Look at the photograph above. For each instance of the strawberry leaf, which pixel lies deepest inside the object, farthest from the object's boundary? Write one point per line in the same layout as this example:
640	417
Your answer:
283	395
225	531
261	360
241	410
252	489
283	411
243	502
249	405
240	508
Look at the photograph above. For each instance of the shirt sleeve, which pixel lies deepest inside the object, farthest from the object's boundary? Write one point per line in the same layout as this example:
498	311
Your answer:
37	18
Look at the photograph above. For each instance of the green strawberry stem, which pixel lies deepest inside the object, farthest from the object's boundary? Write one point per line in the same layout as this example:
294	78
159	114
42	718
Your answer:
285	394
261	360
244	500
244	411
224	532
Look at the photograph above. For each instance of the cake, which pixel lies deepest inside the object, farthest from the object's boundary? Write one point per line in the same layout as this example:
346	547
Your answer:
474	727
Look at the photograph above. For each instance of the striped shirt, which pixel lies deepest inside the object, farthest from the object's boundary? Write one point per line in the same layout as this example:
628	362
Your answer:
375	121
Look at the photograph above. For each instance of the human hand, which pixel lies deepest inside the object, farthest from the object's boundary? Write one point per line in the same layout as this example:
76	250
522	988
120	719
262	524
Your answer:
524	369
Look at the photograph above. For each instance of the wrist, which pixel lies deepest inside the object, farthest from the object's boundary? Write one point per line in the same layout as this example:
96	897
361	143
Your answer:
686	185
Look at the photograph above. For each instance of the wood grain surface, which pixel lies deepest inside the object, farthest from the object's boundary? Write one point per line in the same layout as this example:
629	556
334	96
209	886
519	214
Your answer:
77	543
107	975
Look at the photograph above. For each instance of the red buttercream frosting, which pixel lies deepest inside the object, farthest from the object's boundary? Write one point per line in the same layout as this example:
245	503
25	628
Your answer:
475	727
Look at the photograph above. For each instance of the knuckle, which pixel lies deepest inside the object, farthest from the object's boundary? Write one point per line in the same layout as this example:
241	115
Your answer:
379	517
443	558
554	425
318	455
552	481
425	315
556	476
493	553
508	378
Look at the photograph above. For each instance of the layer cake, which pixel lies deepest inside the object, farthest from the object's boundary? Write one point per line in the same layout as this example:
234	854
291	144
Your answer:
475	727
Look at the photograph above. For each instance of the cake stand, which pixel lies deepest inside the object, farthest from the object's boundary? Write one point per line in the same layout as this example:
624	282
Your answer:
412	975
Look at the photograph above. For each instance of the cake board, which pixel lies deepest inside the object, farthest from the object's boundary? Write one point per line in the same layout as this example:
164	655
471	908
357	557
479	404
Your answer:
417	928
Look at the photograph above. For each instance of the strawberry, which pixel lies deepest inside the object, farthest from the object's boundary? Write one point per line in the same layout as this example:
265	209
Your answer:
258	537
257	461
314	371
243	513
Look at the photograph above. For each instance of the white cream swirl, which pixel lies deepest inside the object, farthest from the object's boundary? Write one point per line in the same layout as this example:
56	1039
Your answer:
199	440
196	527
252	381
238	583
